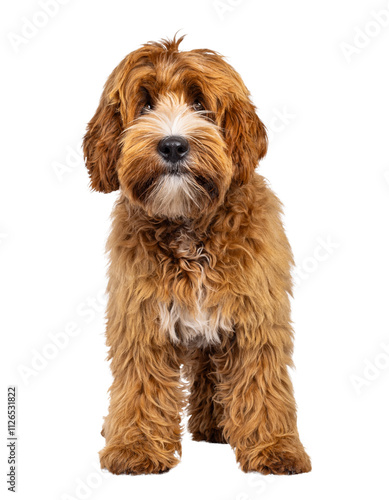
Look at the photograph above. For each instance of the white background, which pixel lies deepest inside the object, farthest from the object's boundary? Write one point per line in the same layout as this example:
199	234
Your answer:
327	112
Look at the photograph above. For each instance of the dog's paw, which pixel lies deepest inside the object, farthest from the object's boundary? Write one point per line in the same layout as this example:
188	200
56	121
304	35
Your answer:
210	436
286	457
133	460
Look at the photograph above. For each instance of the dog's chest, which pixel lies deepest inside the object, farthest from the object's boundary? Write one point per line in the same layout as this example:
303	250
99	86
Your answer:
186	318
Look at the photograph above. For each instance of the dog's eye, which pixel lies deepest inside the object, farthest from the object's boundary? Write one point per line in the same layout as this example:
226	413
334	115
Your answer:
197	106
147	107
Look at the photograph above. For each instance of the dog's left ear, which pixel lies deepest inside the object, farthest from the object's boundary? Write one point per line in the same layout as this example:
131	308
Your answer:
245	136
102	140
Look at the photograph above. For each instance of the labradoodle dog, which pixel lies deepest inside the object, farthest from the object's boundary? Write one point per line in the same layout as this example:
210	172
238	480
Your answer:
199	276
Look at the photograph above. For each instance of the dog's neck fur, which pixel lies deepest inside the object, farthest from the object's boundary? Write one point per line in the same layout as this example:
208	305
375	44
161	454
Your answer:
229	223
168	232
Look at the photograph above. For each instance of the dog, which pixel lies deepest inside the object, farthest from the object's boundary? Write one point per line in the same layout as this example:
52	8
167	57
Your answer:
199	276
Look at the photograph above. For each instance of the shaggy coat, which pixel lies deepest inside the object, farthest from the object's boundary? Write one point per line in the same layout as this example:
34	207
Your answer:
199	276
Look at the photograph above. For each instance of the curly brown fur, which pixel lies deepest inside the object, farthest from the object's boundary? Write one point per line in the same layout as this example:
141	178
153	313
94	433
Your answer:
205	413
199	268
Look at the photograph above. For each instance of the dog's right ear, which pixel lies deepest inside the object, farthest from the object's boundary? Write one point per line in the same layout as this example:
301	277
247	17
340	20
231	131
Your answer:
102	140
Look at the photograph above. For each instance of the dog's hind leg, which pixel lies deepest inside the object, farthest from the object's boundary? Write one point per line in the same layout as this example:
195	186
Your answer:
205	413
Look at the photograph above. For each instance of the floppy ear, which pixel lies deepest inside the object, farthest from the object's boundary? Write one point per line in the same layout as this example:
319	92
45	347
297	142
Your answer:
246	138
101	141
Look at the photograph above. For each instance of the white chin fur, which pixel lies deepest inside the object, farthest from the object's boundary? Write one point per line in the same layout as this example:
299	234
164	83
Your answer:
174	196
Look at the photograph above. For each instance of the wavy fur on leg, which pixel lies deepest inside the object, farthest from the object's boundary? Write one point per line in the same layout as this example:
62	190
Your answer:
205	414
142	429
259	418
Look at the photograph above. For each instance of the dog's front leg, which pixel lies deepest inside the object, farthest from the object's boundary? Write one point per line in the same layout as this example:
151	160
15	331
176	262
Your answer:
259	407
142	429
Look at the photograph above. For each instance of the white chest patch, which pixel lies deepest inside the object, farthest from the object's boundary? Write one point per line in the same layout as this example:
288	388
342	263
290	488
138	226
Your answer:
185	327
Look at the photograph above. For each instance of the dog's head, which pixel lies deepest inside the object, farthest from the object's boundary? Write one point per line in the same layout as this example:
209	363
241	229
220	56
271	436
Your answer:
173	130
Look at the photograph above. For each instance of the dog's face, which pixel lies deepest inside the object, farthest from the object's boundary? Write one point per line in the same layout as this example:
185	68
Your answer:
173	130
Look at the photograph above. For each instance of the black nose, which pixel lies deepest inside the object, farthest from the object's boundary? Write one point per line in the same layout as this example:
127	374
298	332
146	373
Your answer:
173	148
